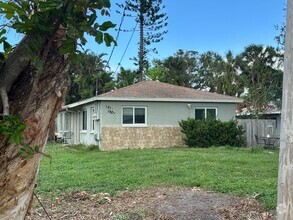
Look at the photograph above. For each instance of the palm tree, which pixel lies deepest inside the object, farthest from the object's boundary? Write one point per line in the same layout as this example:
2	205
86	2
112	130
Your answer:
230	81
88	77
126	78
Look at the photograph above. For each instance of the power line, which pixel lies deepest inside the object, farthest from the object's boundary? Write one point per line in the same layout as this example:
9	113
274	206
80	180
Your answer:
42	205
117	37
119	64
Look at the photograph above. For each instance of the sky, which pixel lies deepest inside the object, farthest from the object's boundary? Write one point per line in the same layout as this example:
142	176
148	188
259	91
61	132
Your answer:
200	25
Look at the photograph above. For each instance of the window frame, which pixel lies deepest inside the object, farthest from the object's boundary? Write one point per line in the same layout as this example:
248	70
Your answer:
61	123
92	124
67	122
133	116
82	120
205	112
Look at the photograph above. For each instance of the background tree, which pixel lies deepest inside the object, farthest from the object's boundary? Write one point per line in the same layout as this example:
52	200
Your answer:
281	37
230	81
152	26
33	83
208	72
178	69
88	77
158	72
260	68
126	78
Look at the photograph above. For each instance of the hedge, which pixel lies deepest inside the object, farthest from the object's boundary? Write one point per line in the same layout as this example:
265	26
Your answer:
211	132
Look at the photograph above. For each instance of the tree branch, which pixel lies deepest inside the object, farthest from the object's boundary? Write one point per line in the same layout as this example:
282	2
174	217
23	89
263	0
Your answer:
5	102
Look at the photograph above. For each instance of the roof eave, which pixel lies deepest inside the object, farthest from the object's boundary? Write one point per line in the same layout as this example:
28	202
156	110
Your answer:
168	99
135	99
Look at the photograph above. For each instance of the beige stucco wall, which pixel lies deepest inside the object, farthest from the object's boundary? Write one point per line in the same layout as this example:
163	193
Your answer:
114	138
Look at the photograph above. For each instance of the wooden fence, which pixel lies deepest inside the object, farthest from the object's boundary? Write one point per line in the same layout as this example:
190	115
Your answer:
259	127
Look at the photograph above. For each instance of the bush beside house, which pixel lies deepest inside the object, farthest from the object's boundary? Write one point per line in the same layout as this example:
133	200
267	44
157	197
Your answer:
207	133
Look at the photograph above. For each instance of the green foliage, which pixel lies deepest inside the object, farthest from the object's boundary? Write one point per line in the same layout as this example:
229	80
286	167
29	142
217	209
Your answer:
262	74
177	69
12	127
43	18
210	132
236	171
88	77
126	78
218	74
28	152
7	48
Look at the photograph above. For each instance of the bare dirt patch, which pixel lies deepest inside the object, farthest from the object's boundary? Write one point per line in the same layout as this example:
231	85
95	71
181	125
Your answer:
161	203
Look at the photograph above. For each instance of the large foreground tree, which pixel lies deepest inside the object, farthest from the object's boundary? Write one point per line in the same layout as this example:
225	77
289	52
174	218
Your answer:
33	83
285	180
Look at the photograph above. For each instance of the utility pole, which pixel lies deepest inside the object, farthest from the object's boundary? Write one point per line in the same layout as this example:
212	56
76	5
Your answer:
285	179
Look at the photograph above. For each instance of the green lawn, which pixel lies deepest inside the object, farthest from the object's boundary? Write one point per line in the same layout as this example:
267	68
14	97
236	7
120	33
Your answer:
236	171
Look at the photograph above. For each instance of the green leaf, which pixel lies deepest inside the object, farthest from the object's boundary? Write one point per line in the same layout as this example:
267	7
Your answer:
68	46
109	39
106	25
99	37
3	31
92	19
50	5
7	7
2	57
6	46
9	15
37	149
43	27
38	63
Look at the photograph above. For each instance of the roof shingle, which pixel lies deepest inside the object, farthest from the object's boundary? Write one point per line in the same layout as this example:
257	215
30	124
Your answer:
157	90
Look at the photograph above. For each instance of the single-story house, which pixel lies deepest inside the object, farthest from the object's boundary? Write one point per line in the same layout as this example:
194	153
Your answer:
143	115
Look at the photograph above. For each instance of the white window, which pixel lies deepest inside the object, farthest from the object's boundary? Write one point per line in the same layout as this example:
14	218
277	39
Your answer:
84	120
67	121
205	113
92	120
61	122
134	116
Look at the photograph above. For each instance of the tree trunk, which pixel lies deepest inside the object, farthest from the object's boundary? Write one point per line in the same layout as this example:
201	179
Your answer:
285	180
40	106
141	48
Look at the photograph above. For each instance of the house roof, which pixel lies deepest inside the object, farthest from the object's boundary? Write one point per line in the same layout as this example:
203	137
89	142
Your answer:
157	91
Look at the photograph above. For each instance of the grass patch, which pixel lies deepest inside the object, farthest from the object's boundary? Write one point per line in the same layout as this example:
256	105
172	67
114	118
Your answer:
236	171
82	147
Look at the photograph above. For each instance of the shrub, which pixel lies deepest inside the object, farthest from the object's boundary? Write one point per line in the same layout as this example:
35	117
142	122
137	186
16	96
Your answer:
212	132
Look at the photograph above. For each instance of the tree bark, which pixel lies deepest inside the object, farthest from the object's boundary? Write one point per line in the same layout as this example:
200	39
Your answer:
285	180
17	176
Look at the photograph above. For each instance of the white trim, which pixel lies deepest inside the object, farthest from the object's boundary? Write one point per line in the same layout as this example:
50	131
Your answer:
133	115
92	121
136	99
68	117
61	122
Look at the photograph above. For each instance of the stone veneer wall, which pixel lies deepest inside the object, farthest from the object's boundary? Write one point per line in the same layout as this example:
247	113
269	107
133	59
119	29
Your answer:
114	138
